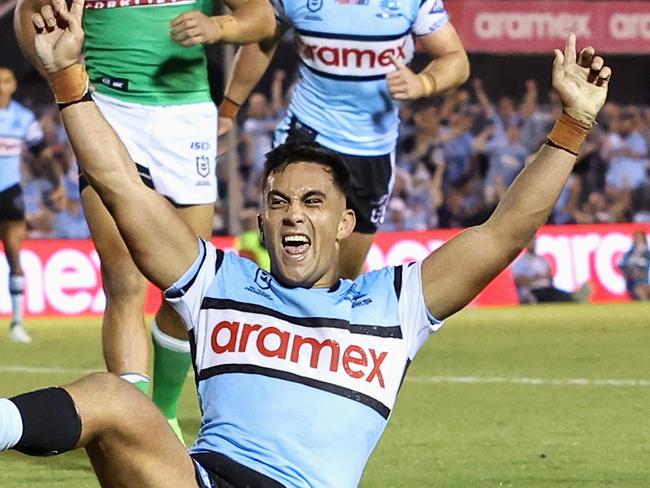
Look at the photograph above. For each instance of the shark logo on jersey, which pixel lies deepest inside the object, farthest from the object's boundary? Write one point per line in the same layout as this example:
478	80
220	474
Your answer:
390	9
314	5
356	298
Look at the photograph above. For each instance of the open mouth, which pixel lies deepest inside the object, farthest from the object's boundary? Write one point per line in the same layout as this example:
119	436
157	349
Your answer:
296	244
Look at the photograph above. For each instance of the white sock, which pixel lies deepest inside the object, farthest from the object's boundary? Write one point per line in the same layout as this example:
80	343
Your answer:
167	341
134	378
11	424
16	288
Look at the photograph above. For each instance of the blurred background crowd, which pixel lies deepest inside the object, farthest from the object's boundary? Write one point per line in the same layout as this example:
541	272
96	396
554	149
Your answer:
456	156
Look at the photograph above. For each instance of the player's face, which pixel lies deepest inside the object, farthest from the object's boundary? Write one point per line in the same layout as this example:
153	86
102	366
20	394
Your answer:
7	85
303	219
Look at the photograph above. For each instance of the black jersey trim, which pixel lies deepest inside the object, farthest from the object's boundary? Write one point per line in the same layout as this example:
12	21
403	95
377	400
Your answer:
177	293
324	74
219	262
353	37
394	332
348	393
397	280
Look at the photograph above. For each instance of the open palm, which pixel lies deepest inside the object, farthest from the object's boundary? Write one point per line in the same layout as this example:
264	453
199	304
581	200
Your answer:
59	36
580	81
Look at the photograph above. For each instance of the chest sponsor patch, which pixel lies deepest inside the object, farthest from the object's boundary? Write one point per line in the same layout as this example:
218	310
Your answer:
10	146
360	365
353	58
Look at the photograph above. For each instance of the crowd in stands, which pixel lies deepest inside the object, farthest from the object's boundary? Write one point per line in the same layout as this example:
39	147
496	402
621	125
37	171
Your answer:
456	156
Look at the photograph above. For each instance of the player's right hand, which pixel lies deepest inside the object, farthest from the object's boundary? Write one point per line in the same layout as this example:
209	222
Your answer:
59	36
580	81
192	28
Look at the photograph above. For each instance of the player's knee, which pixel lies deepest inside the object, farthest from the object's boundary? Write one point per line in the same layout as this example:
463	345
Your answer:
123	281
118	395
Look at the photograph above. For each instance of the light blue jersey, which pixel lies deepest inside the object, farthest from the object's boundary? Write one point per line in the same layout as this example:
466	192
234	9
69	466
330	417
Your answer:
295	383
345	48
18	127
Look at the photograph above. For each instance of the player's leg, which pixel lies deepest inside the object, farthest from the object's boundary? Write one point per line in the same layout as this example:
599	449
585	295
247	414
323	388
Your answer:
127	439
13	230
172	359
181	160
372	184
13	233
124	338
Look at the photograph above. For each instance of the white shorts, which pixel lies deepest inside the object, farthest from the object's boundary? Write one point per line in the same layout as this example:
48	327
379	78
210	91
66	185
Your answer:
175	145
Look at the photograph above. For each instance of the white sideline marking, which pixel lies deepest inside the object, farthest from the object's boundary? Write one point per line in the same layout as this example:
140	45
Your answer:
467	380
43	370
491	380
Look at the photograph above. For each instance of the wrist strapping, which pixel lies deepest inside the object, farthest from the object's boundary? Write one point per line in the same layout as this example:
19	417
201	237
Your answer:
429	84
228	108
568	133
229	27
70	84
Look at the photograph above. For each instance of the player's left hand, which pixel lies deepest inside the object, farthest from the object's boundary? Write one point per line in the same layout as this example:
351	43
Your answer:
192	28
580	81
403	84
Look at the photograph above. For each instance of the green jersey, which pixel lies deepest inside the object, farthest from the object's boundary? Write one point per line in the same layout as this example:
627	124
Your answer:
130	54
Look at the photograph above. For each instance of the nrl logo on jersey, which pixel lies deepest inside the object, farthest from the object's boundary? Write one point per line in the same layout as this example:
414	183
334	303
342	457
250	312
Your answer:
314	5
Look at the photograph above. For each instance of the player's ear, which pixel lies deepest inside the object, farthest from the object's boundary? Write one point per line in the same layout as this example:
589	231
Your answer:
346	224
260	228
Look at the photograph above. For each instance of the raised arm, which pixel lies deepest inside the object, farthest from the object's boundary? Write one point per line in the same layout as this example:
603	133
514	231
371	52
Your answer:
161	244
455	273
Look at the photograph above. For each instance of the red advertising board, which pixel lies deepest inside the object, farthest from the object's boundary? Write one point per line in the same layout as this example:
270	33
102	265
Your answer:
541	26
63	277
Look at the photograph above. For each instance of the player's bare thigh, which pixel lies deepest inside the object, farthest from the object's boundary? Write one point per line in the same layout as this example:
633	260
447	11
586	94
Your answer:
128	440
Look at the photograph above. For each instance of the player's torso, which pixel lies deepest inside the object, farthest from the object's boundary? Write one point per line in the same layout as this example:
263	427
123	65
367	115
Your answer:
345	48
15	121
311	368
130	54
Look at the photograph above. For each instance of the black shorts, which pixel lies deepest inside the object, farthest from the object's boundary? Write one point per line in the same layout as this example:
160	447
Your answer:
223	472
12	206
371	180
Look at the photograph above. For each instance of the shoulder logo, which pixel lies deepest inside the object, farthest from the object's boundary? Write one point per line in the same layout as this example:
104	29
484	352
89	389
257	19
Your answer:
356	298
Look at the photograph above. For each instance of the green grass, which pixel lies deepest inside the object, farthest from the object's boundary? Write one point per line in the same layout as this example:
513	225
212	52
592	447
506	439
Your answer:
445	433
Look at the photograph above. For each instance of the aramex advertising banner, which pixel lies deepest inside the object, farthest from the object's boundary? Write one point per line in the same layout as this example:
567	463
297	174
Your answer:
63	277
541	26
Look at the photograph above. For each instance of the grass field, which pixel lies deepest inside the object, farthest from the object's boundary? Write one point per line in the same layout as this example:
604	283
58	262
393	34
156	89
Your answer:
544	396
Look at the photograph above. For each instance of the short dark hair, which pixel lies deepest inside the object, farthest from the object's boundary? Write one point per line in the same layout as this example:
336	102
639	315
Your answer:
308	152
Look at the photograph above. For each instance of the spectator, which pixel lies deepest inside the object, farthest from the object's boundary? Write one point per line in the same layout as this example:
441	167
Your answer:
70	223
534	280
626	152
257	131
635	265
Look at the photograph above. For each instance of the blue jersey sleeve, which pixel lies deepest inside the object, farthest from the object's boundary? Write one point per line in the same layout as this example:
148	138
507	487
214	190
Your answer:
431	17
